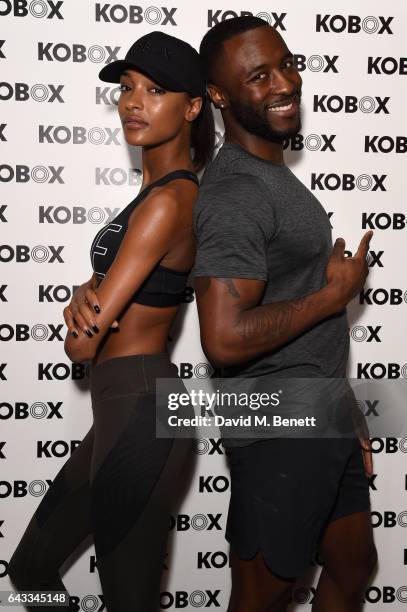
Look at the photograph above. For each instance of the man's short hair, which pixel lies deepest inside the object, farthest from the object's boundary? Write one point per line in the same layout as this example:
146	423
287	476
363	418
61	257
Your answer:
211	45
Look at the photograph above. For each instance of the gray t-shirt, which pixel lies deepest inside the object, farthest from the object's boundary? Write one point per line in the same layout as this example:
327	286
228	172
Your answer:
254	219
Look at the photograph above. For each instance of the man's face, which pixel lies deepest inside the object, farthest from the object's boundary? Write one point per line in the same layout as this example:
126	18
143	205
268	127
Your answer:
263	86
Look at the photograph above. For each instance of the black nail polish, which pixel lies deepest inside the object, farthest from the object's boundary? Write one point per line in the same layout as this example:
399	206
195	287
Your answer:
75	334
96	307
95	328
89	333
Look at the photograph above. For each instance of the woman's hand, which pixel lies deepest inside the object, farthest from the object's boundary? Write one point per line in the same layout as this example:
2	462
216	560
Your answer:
83	310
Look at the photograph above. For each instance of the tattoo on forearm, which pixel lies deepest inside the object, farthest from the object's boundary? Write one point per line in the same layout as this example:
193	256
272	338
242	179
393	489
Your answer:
271	320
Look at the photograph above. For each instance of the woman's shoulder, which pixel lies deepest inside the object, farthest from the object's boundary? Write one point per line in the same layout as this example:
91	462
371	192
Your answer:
168	202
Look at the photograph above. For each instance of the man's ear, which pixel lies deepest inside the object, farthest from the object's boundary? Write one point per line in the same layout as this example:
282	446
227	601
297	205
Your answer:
217	96
195	105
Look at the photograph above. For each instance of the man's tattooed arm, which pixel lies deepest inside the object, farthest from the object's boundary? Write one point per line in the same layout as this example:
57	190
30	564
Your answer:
235	328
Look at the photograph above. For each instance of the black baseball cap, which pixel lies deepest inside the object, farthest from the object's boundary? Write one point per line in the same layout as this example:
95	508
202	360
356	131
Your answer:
169	61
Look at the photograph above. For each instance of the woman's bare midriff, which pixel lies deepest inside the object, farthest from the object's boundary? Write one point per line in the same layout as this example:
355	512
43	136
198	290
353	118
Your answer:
142	330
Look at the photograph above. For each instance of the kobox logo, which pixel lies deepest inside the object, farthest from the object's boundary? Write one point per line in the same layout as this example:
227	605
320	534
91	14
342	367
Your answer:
350	104
2	372
2	54
37	410
21	332
383	221
76	52
385	144
274	19
87	602
2	134
57	448
22	488
312	142
62	134
372	482
347	182
386	594
386	65
78	215
388	518
198	522
208	446
199	370
118	13
380	297
107	95
388	445
62	371
38	174
213	484
2	215
36	8
117	176
381	370
219	139
374	258
22	253
316	63
55	293
183	599
360	333
2	293
353	24
21	92
212	560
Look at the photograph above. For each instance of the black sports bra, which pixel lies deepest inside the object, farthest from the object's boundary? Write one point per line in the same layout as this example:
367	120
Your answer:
163	286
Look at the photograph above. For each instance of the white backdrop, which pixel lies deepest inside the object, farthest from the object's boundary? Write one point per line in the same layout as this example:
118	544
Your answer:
65	170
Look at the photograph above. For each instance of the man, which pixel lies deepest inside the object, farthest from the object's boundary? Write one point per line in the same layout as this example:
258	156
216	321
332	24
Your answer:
272	296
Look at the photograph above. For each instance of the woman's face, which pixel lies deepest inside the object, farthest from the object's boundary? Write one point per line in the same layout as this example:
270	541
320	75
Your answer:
150	114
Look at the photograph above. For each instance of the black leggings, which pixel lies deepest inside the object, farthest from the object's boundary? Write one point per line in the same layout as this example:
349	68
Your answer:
117	485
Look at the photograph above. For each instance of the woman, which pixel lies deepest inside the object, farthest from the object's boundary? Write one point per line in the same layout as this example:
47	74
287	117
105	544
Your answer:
119	482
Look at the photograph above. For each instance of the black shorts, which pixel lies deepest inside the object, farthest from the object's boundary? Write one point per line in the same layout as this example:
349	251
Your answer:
284	491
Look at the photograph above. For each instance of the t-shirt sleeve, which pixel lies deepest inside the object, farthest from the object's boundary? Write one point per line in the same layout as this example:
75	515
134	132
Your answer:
233	223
